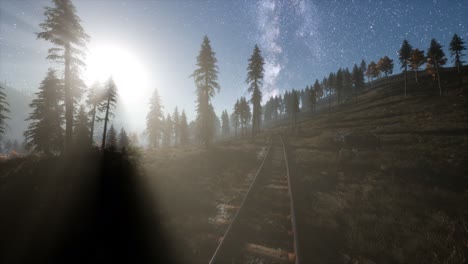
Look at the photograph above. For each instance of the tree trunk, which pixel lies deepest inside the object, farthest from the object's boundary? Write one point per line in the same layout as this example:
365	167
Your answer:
92	124
405	79
68	101
105	125
460	79
438	79
416	76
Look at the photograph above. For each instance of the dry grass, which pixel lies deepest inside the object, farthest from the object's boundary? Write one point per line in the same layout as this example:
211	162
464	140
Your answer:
189	183
406	202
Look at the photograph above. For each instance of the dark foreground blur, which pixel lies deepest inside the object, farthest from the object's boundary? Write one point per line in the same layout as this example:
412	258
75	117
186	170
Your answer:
88	208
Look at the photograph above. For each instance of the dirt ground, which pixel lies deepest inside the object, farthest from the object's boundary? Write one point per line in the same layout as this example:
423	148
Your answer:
190	183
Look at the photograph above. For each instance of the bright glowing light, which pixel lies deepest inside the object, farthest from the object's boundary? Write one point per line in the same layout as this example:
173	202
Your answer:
126	69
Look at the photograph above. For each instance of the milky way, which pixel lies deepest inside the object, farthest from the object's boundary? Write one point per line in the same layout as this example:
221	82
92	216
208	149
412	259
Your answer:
300	40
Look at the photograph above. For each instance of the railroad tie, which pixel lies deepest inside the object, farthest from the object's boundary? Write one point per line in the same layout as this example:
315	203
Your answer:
278	255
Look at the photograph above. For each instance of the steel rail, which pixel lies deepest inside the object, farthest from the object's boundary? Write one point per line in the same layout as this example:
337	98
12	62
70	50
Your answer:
227	232
291	204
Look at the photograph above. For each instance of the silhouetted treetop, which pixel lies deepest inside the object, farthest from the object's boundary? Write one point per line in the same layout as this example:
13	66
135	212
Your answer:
457	46
3	111
62	27
45	132
205	77
254	80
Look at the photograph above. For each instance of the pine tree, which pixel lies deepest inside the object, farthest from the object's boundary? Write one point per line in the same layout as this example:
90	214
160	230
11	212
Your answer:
184	129
318	90
214	123
358	79
168	131
124	141
79	87
268	109
62	27
133	139
225	123
457	46
363	66
347	83
3	111
404	56
417	60
436	57
385	65
331	87
205	76
292	107
282	105
154	120
276	106
176	124
235	117
339	84
243	110
95	101
316	93
372	71
111	143
110	97
312	99
81	129
254	80
45	132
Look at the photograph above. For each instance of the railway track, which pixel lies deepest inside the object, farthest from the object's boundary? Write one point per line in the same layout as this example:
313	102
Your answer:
263	229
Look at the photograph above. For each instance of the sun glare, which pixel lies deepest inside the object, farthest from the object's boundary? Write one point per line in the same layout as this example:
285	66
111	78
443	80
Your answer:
125	68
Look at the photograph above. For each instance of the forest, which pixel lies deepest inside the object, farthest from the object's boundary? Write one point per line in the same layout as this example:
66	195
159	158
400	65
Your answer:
366	165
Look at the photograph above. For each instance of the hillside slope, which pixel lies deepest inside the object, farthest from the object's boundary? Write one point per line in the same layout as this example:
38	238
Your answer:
397	190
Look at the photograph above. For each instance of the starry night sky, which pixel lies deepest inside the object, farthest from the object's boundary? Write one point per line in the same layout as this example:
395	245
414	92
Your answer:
300	40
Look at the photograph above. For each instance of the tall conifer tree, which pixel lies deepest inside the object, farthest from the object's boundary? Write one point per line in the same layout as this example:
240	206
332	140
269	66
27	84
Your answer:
225	123
457	46
124	141
111	142
110	97
168	131
176	124
62	27
45	133
404	56
254	80
154	120
184	129
95	100
82	128
417	60
3	111
205	77
436	58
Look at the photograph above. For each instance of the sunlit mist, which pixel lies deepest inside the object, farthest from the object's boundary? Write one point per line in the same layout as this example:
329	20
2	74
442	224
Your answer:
127	70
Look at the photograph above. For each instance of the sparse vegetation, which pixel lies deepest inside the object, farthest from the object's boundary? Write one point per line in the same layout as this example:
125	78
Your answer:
404	202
